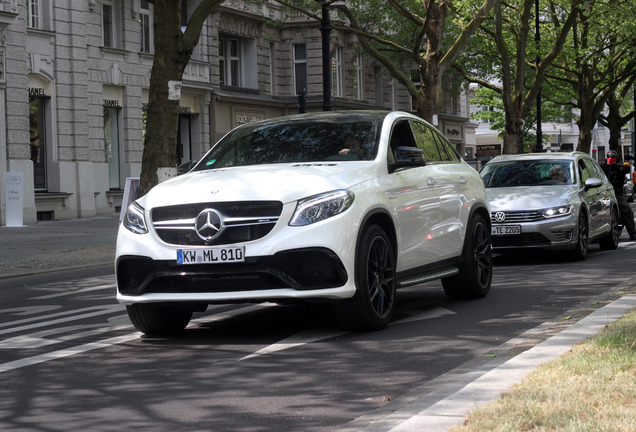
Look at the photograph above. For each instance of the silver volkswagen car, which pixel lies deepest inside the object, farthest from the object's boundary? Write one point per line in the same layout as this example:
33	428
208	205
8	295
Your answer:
559	201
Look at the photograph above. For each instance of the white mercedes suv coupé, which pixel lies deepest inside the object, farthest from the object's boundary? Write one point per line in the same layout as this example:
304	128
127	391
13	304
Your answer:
342	207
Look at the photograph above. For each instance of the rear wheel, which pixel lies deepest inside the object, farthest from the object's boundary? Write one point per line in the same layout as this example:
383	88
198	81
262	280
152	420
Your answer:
475	270
580	250
159	319
372	306
610	241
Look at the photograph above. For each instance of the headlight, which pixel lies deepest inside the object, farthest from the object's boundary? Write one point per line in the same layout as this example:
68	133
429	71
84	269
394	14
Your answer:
135	220
559	211
319	207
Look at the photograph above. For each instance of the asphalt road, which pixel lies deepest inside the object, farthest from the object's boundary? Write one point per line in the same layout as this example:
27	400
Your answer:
69	358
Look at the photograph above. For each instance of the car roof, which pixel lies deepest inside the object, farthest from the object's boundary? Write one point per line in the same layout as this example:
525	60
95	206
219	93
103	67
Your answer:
541	156
335	115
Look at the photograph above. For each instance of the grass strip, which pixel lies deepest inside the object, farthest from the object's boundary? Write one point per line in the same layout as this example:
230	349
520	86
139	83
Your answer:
591	388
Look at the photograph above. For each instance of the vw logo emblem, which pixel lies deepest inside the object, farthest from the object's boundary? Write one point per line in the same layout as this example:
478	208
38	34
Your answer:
208	224
500	216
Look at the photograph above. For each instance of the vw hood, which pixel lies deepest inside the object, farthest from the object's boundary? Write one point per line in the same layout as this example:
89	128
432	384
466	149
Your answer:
281	182
529	197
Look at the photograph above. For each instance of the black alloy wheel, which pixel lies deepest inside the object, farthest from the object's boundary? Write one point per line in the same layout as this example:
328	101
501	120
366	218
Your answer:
373	305
580	250
475	271
610	241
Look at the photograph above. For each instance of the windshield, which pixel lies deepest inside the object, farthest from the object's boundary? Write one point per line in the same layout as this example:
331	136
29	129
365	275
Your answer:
528	173
338	138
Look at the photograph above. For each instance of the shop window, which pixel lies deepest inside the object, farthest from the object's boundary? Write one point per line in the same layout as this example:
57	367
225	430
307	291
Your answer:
37	138
145	28
300	68
336	72
111	146
358	77
39	14
110	24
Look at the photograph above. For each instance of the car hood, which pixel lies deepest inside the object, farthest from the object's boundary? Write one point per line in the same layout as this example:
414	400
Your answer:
280	182
529	197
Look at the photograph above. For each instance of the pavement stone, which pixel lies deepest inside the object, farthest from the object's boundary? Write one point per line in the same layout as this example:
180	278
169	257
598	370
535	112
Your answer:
55	245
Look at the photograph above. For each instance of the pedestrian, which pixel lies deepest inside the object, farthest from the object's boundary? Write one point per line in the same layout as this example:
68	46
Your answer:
616	173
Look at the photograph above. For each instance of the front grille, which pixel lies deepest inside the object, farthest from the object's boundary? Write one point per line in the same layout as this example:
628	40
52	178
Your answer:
244	220
518	216
522	240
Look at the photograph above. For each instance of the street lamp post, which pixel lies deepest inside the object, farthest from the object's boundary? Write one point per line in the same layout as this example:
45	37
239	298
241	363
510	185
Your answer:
325	29
537	38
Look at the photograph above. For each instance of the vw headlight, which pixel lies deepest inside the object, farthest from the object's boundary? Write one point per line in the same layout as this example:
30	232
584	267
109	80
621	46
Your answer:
552	212
135	220
320	207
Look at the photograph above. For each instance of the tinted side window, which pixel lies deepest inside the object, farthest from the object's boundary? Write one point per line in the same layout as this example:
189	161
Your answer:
425	141
584	172
595	169
451	153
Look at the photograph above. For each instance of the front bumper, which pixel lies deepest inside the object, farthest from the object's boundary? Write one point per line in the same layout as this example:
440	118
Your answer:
286	274
556	234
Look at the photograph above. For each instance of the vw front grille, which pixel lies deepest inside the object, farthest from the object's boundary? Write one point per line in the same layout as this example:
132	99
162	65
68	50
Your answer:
517	217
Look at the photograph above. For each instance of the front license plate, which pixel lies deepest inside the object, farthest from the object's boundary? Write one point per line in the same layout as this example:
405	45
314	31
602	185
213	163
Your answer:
211	256
506	229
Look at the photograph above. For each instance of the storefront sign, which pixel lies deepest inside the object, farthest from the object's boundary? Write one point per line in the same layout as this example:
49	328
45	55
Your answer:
453	131
243	117
111	103
14	198
36	91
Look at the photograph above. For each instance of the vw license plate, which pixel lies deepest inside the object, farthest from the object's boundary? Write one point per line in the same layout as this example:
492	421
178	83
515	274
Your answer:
506	229
211	256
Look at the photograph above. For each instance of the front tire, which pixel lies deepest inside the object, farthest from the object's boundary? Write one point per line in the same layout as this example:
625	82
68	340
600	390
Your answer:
373	304
475	270
610	241
580	250
159	319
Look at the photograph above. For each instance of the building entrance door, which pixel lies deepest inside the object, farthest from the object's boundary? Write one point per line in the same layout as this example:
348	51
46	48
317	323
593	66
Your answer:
184	139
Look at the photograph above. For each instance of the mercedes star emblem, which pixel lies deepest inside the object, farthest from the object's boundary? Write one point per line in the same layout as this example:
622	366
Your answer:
208	224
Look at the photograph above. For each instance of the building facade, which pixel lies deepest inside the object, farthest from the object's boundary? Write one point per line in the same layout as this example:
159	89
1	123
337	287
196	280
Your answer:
73	103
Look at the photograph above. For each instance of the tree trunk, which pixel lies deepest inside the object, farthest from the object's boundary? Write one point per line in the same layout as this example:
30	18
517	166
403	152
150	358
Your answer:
173	49
513	133
163	113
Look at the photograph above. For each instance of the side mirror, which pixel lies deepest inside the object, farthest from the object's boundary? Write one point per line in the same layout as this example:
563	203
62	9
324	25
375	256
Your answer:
409	154
406	157
593	183
185	167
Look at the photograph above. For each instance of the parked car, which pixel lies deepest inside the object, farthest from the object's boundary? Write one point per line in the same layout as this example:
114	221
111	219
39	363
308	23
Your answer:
343	207
560	201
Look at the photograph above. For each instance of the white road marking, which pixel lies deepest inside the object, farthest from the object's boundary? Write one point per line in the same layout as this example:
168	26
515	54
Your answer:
308	337
76	291
29	310
67	352
54	355
55	336
299	339
47	321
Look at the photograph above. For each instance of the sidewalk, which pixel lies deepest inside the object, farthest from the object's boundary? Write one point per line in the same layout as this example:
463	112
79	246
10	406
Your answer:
433	407
51	245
